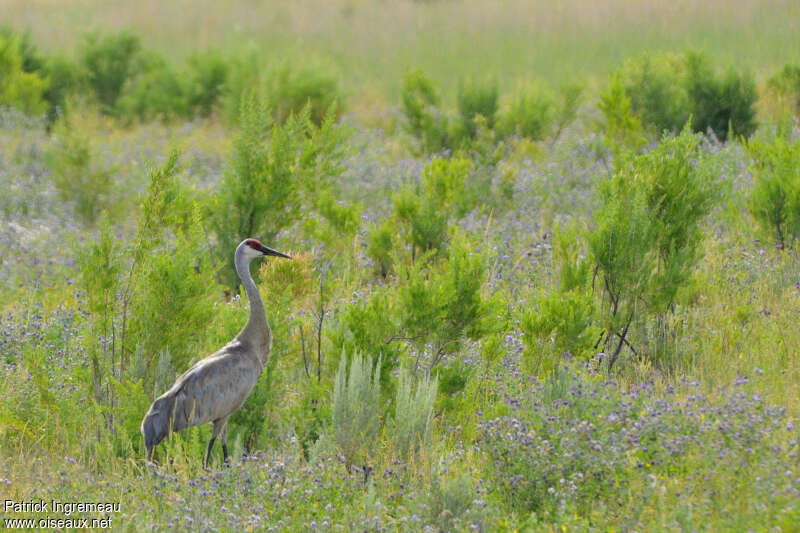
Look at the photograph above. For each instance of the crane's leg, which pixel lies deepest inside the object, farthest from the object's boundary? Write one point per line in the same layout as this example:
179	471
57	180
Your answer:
221	429
220	426
208	452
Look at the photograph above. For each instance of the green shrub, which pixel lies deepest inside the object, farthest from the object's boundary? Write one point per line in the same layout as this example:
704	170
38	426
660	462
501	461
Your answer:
563	322
531	113
623	129
32	60
775	197
424	225
449	501
424	119
176	300
63	76
476	99
440	305
655	88
424	209
356	401
412	425
786	84
157	91
664	91
380	245
720	104
101	262
273	169
647	238
206	80
571	95
18	88
293	90
369	326
108	63
78	178
453	378
59	72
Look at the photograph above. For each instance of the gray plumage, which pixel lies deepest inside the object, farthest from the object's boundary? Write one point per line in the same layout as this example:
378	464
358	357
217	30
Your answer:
216	386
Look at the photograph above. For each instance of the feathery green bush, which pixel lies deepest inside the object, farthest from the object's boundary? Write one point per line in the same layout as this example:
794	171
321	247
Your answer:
476	98
442	304
647	238
423	118
78	178
108	61
355	407
412	425
720	104
294	89
655	87
531	113
775	196
19	88
274	170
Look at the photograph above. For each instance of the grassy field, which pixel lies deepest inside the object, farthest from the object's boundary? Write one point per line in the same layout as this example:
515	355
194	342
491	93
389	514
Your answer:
469	254
371	44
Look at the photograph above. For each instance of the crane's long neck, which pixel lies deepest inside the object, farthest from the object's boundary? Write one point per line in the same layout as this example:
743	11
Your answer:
257	330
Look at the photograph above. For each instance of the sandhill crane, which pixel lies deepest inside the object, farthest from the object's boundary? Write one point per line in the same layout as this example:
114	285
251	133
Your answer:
215	387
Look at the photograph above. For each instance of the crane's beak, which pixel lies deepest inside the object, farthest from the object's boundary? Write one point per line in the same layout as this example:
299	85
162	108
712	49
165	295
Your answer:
270	251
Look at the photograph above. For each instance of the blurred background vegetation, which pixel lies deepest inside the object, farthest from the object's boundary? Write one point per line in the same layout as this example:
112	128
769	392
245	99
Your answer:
544	276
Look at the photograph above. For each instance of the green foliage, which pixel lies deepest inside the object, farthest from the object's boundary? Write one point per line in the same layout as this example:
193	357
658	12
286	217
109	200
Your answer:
563	320
453	379
206	80
775	196
424	225
158	90
155	92
623	129
32	60
107	61
101	263
786	84
78	177
175	303
63	76
412	425
532	112
475	98
449	499
720	104
424	119
380	244
440	305
665	90
55	73
355	405
295	89
274	170
647	236
655	88
19	88
424	209
368	326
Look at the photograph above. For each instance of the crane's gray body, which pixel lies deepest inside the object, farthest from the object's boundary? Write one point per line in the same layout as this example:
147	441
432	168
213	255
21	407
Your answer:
216	386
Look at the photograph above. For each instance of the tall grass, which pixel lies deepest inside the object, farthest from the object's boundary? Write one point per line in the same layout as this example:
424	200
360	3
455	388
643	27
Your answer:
509	40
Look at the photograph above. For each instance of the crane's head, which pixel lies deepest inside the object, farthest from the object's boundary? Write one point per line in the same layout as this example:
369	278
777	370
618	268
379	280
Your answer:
253	248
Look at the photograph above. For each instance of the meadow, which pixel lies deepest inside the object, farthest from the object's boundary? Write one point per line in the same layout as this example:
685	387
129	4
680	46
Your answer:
544	269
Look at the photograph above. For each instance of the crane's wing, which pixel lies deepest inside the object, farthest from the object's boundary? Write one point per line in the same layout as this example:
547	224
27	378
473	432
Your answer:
214	387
